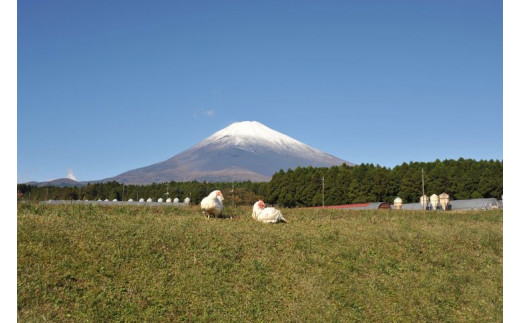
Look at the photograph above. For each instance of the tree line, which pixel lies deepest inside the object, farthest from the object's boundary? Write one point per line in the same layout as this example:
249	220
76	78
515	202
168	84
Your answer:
238	192
461	179
311	186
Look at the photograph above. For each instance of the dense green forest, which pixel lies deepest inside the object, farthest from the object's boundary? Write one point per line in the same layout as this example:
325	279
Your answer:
461	179
310	186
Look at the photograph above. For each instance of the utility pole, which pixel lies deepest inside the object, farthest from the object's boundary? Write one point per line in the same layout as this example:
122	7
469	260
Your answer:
424	198
233	193
323	190
422	173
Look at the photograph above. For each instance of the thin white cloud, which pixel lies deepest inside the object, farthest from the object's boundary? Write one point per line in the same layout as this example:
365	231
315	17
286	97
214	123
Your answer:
204	113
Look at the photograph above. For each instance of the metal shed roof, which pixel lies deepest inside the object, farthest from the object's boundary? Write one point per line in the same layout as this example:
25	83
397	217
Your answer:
358	206
373	206
473	204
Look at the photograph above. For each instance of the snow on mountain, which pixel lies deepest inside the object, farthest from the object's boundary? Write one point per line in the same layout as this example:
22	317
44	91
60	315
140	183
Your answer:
256	138
250	133
242	151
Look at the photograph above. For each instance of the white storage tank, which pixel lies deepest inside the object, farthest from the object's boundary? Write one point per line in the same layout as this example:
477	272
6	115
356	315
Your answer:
398	203
434	200
444	200
424	202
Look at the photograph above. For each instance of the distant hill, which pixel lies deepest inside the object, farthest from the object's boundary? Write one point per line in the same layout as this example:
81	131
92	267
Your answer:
60	182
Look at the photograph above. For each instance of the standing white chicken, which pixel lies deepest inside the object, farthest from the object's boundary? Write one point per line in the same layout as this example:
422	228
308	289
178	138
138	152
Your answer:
266	214
212	204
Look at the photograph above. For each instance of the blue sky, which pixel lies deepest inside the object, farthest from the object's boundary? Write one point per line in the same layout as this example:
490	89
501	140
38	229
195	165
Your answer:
109	86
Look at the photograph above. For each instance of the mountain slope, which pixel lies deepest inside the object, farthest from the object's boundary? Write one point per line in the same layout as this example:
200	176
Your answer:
243	151
59	182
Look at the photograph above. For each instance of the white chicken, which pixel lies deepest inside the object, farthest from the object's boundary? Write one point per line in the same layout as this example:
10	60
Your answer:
267	214
212	204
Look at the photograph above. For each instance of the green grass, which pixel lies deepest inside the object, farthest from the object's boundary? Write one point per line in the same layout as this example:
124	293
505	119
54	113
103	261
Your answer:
123	263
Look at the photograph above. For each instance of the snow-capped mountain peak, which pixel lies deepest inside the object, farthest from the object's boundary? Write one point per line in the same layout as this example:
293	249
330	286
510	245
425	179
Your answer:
248	133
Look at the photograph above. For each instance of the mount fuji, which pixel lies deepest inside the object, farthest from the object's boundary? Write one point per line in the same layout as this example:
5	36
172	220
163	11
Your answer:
242	151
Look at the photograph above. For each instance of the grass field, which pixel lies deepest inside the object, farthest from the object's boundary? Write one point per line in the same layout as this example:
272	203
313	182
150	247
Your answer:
123	263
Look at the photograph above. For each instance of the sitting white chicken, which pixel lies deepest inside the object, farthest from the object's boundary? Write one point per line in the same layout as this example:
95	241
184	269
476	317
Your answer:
266	214
212	204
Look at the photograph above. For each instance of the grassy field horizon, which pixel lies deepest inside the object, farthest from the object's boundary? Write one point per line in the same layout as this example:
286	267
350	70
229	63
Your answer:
134	263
